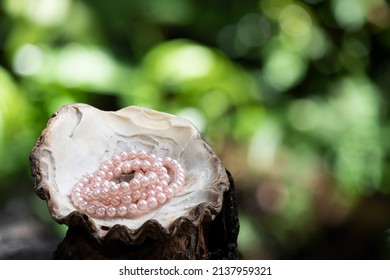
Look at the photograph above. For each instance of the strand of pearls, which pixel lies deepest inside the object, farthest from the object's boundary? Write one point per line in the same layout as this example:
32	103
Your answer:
128	184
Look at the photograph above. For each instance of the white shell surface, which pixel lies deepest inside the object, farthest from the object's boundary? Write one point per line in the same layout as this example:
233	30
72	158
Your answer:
79	138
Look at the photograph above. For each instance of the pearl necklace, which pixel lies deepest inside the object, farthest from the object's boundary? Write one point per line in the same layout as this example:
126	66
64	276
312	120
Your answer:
128	184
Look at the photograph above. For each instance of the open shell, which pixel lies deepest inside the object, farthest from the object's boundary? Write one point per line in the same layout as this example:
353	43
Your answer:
79	137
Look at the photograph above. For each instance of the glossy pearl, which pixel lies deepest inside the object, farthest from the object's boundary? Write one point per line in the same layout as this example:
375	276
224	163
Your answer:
109	192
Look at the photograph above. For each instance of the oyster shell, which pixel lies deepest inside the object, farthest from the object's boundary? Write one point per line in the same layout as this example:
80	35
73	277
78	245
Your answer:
79	138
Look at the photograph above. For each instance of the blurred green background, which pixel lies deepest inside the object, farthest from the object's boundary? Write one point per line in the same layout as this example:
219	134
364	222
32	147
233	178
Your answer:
291	95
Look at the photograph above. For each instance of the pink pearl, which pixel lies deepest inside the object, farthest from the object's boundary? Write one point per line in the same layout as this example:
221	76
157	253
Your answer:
156	165
133	208
104	193
136	165
135	184
144	181
79	185
161	198
91	209
96	194
96	185
152	202
78	201
117	171
165	177
84	180
75	196
142	205
101	211
122	210
151	193
143	196
174	163
126	199
110	175
146	165
136	195
126	168
88	195
124	187
132	154
123	156
107	201
111	211
164	184
161	171
142	155
114	189
76	189
152	176
175	187
138	175
83	205
101	174
169	192
166	160
115	201
109	164
155	180
151	157
116	160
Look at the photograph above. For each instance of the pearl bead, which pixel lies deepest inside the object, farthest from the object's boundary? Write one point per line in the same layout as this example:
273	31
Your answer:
152	202
91	209
135	184
126	199
169	192
142	155
142	204
117	171
109	164
116	160
122	210
132	154
101	174
136	164
133	208
110	175
111	211
107	201
79	186
126	168
155	180
101	211
83	205
146	165
144	181
165	177
104	193
123	156
136	195
161	198
115	201
114	189
96	194
124	187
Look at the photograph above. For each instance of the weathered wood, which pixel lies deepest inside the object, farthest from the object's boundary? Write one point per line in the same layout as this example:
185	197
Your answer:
216	239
